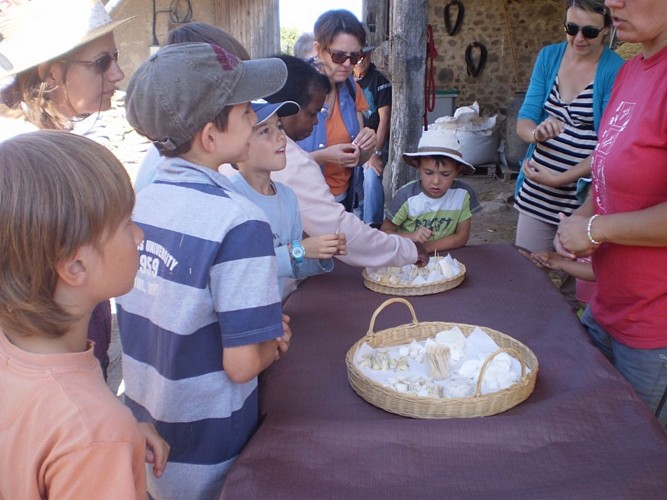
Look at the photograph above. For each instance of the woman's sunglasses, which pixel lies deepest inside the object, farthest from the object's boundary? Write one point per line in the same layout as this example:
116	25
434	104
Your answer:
340	57
101	64
588	31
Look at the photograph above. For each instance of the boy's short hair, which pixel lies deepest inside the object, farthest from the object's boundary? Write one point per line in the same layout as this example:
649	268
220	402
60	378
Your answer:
58	192
184	86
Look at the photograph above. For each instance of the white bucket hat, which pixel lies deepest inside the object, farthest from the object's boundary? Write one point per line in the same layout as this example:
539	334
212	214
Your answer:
439	142
38	31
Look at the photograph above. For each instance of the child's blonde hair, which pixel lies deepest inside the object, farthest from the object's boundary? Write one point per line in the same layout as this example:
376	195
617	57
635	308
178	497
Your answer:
58	192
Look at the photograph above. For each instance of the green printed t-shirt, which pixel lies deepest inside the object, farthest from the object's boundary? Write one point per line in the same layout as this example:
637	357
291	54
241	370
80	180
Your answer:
411	209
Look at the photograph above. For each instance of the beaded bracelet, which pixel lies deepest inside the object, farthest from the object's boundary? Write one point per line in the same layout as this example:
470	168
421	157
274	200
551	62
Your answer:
588	230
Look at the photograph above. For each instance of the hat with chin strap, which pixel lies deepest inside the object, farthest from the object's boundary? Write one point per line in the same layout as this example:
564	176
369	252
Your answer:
37	31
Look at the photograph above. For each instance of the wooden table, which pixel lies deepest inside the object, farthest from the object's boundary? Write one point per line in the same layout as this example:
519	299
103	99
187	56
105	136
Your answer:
582	433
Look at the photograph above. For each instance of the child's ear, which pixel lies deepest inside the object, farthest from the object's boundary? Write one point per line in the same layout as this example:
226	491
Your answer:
207	136
73	270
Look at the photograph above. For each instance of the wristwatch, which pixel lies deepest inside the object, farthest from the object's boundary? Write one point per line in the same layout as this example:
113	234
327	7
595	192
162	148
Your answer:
297	252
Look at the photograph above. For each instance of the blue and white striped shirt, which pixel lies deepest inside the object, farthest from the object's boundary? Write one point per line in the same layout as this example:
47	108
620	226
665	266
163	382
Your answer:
207	281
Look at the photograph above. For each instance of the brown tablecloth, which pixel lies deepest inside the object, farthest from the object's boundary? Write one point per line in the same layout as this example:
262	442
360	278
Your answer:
582	433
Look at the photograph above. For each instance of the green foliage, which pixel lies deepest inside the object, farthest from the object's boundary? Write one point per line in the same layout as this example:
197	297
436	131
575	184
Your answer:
288	37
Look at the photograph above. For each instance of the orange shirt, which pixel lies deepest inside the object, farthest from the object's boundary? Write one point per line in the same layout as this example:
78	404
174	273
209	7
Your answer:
63	434
337	177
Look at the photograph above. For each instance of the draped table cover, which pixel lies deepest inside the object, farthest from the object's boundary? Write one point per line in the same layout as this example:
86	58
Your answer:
582	433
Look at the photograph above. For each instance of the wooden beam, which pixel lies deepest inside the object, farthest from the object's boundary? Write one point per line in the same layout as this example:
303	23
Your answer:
255	23
407	61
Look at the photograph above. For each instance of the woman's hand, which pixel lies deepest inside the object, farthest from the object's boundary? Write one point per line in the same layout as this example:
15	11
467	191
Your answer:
366	139
571	239
549	128
540	174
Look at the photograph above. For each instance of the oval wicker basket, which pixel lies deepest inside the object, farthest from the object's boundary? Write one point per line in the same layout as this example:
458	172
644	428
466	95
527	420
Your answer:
407	291
408	405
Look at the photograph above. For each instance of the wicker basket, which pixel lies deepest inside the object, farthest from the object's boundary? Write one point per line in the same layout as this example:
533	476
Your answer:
408	405
410	291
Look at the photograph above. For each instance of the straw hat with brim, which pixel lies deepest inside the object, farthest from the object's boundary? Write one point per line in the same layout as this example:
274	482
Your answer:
265	110
38	31
436	142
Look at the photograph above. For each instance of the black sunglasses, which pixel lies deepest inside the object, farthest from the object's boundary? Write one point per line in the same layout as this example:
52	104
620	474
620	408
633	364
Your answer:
340	57
588	31
101	64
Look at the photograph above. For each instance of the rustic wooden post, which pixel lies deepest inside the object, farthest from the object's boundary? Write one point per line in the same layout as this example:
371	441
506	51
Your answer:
255	23
375	16
407	61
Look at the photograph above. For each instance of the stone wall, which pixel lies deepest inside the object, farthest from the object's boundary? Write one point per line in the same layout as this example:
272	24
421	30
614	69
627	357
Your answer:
532	25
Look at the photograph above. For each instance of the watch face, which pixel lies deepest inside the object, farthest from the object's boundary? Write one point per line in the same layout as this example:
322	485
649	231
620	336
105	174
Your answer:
297	252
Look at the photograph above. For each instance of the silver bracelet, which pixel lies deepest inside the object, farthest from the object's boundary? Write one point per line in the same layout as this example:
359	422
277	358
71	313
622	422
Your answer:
535	135
588	230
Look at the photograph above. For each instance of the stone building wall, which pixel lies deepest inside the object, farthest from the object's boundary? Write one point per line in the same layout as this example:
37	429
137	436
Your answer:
533	24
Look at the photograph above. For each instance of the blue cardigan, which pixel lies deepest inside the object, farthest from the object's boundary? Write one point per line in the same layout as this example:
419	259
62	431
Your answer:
543	78
544	75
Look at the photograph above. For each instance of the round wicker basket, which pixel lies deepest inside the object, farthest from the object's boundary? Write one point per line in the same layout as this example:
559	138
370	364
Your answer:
408	405
408	291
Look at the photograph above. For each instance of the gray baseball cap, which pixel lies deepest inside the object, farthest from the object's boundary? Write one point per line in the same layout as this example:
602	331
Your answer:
183	86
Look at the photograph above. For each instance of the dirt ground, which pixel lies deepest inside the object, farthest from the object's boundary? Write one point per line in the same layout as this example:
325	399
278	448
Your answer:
497	221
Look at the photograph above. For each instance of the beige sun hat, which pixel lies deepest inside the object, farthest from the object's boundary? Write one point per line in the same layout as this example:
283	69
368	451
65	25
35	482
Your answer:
38	31
439	142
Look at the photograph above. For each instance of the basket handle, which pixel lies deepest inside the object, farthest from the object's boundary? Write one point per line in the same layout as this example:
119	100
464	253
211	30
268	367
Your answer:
482	372
381	307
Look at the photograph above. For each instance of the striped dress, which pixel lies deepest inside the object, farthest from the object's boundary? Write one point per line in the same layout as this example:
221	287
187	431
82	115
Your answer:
207	281
560	154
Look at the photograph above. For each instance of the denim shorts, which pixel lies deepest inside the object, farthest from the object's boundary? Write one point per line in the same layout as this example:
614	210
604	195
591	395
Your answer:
645	369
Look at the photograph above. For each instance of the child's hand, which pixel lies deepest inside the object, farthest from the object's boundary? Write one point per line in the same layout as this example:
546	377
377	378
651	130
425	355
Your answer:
545	260
421	235
345	155
157	449
323	246
342	244
282	343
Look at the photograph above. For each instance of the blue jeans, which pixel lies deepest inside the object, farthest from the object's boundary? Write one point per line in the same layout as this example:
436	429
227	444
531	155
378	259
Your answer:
370	195
645	369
